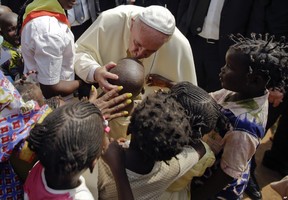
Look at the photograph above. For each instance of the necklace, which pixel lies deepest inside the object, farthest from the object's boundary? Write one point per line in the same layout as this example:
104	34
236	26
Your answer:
152	64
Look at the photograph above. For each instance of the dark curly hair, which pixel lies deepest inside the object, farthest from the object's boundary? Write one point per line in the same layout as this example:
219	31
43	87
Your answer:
159	127
266	57
203	111
69	139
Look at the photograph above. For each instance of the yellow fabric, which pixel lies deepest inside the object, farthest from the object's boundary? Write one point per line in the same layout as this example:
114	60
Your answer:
119	127
47	5
197	170
26	154
184	194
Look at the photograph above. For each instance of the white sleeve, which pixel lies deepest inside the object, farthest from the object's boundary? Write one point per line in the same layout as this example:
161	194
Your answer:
43	48
49	57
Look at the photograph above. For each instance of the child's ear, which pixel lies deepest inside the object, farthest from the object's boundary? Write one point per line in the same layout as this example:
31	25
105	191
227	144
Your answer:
91	167
256	81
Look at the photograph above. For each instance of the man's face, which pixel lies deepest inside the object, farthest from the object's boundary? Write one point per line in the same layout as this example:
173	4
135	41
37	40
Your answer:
68	4
144	40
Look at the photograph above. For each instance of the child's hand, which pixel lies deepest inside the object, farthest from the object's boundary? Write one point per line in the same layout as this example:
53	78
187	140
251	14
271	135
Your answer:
110	103
158	80
275	97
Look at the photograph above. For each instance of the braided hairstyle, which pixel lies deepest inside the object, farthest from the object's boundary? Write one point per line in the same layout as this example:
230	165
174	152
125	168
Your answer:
266	57
203	111
69	139
159	127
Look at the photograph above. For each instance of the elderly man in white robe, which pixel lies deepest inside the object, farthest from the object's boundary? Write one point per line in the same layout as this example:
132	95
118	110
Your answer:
148	34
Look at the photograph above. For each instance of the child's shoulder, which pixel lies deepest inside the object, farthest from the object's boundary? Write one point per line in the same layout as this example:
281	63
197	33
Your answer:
220	95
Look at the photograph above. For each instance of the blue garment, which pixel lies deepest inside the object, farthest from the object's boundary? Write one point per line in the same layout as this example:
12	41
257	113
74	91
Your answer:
235	148
235	189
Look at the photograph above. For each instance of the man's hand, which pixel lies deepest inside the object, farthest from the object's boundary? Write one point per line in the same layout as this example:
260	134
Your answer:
101	75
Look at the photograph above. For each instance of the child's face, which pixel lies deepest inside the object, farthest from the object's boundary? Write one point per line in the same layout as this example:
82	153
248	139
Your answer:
9	30
67	4
234	73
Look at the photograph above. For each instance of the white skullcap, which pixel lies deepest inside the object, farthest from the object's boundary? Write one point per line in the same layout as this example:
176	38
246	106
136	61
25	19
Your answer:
159	18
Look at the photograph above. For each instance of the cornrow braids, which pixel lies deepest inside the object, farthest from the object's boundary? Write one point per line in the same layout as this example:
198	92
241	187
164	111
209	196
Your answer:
69	139
266	56
203	111
159	127
20	17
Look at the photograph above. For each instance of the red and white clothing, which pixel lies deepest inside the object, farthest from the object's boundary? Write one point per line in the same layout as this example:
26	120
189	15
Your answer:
36	188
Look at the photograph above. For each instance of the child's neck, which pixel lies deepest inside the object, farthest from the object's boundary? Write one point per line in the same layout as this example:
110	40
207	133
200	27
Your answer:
240	96
62	182
137	162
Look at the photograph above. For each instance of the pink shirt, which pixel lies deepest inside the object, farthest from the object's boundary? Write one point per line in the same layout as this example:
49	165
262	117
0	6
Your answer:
36	188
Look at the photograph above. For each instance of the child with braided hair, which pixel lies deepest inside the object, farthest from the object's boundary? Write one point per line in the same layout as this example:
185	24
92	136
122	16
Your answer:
159	152
253	65
204	116
18	117
65	152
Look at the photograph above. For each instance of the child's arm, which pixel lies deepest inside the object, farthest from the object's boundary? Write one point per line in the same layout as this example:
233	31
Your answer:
199	147
114	156
62	88
158	80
